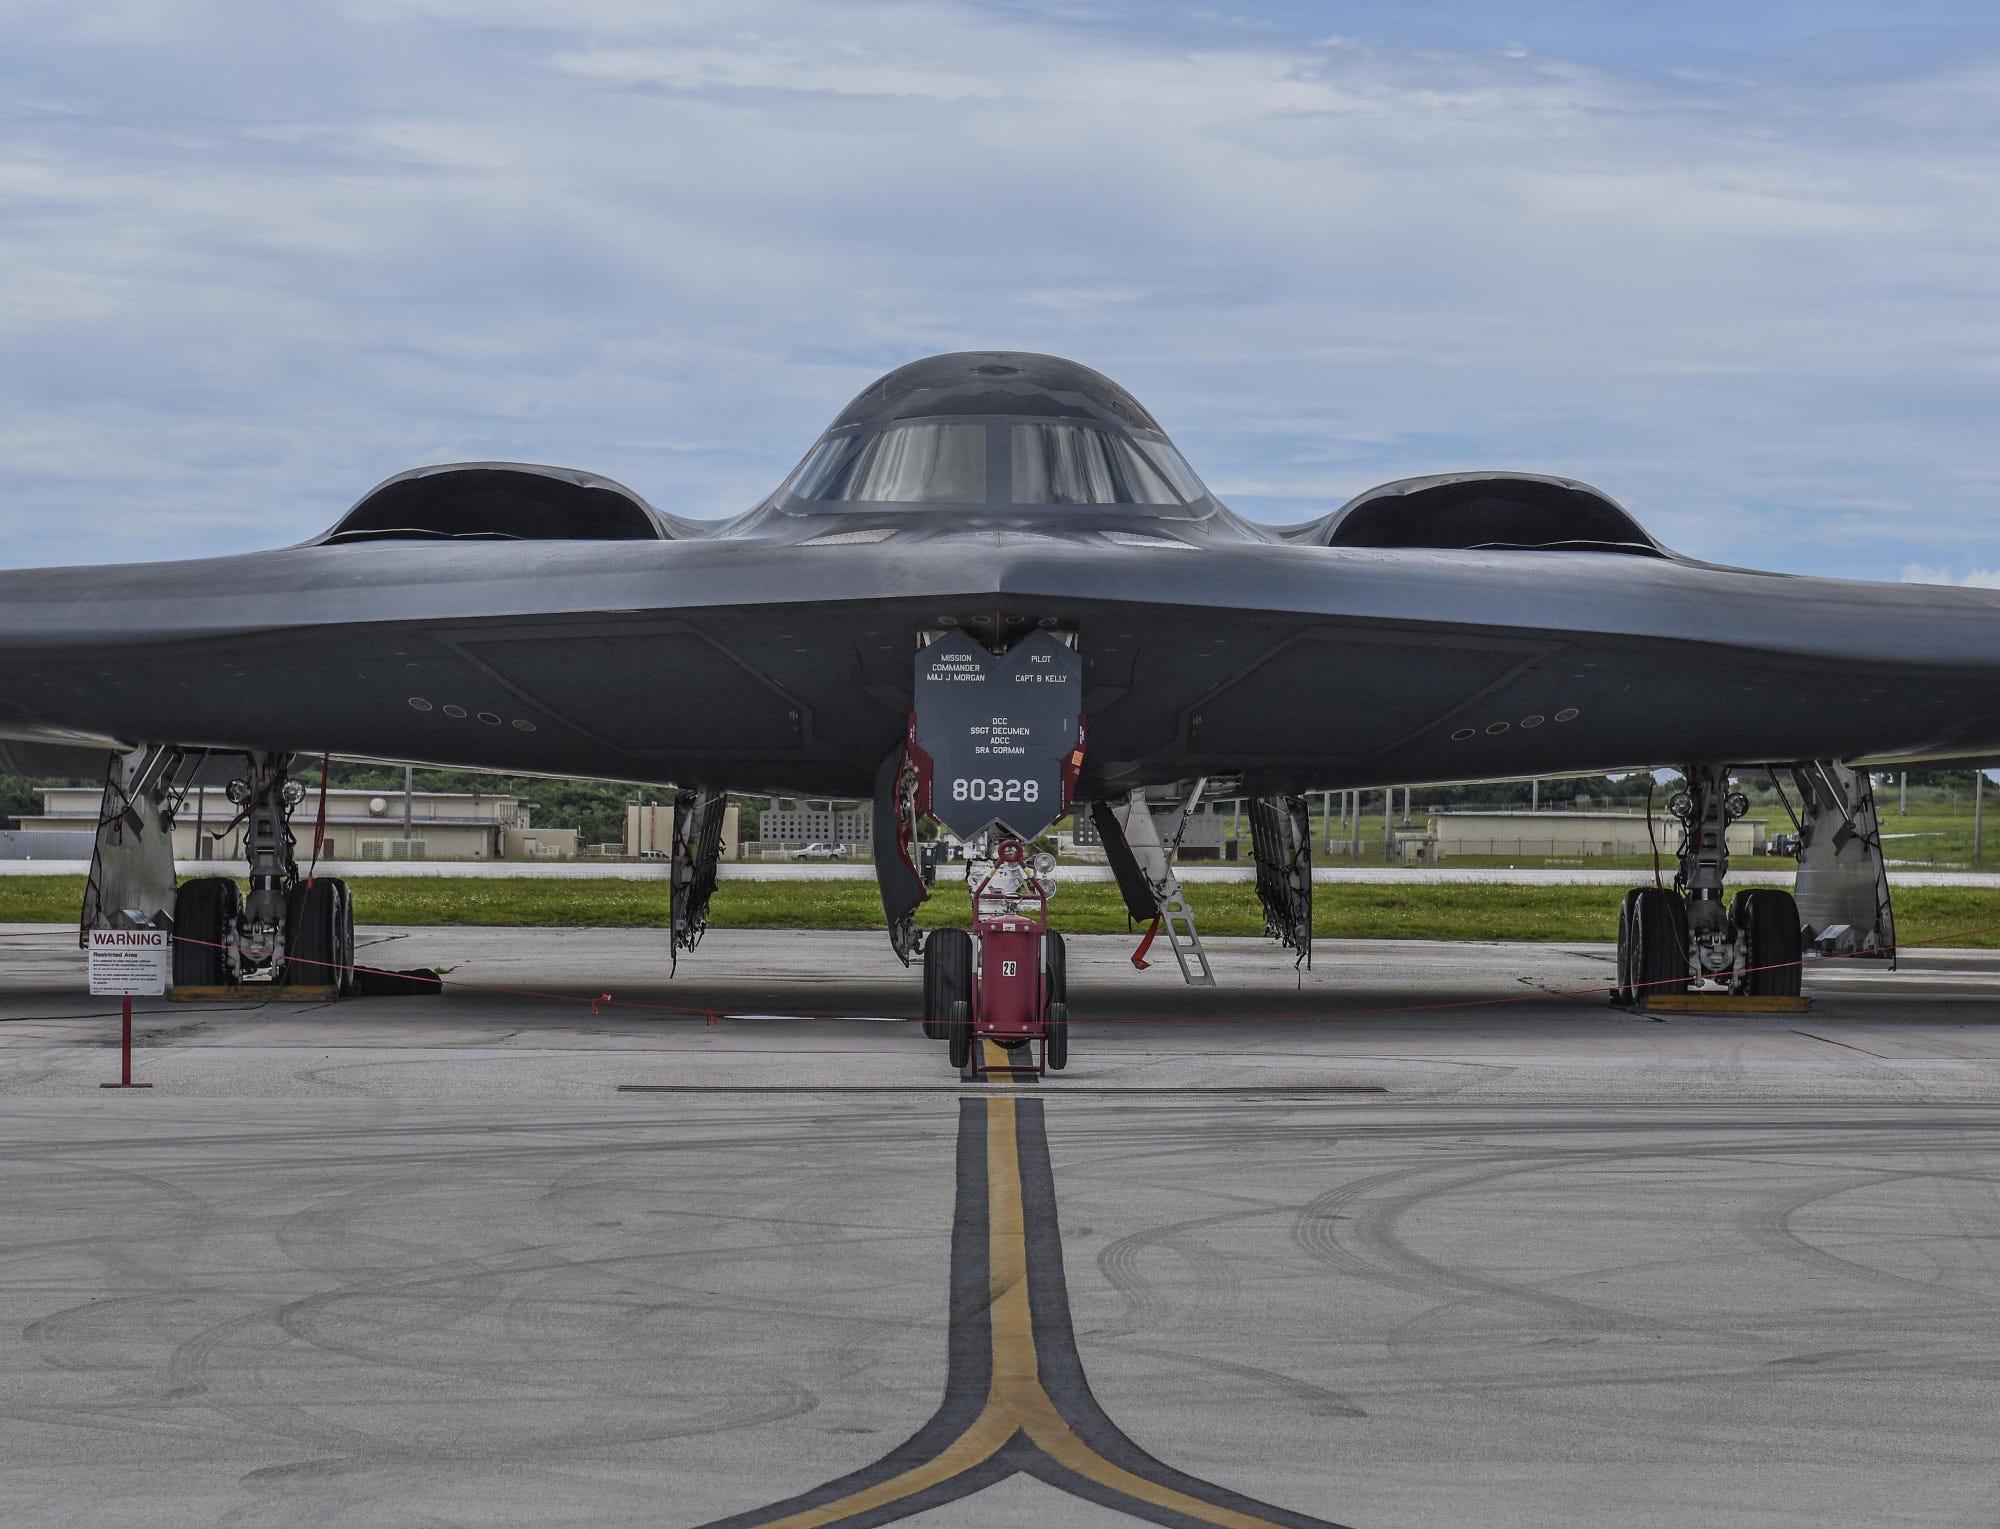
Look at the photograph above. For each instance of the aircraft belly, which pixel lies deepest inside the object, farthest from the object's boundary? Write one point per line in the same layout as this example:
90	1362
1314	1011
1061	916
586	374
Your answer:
696	682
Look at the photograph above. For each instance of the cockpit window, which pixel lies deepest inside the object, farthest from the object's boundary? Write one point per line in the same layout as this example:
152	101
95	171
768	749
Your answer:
905	464
1076	464
1171	463
944	461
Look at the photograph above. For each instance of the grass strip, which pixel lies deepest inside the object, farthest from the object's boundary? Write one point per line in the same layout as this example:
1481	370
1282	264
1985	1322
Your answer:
1440	911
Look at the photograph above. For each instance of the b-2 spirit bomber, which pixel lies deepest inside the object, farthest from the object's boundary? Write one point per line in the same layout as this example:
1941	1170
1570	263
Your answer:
992	592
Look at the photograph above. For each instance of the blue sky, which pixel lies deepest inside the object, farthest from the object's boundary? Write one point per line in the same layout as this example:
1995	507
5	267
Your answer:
1737	265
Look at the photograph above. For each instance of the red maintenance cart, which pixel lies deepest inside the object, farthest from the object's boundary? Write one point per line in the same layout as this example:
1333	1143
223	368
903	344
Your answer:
1006	981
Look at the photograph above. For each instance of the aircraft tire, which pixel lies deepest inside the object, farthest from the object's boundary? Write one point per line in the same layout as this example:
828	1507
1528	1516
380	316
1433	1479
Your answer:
343	937
1659	944
1624	995
947	979
312	940
1769	917
959	1028
933	1010
1055	1044
204	910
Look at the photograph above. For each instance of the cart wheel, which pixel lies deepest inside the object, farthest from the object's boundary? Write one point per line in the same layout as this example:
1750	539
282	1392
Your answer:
1055	959
1055	1048
958	1030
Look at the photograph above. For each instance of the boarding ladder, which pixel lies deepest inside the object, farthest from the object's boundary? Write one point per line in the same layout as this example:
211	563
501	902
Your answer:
1155	857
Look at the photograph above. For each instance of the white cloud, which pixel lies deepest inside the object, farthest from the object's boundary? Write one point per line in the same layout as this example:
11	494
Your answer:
778	66
1978	578
262	264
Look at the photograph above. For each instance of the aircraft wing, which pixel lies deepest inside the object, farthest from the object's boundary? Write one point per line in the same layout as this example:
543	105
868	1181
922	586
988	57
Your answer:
777	663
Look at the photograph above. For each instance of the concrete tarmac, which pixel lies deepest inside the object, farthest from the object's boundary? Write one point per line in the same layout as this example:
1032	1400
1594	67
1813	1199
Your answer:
435	1261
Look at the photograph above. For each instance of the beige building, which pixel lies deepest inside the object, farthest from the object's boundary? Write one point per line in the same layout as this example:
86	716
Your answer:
360	825
1571	834
788	821
649	830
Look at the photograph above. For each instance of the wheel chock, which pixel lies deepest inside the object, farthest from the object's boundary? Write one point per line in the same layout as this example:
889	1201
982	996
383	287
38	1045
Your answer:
252	992
1721	1003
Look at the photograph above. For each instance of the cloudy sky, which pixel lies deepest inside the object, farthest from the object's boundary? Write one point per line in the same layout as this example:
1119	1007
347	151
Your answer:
1738	264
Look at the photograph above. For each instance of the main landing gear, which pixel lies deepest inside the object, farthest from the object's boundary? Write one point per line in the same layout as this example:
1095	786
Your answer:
1007	980
1671	940
293	932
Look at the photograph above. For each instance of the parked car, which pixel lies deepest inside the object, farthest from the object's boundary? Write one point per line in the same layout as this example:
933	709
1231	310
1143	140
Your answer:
654	854
821	852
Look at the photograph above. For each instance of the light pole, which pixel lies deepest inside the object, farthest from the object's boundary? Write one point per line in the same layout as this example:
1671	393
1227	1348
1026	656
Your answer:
1978	814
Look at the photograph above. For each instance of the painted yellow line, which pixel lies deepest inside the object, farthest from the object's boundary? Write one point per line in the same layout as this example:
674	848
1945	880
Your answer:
1017	1384
989	1431
995	1054
1016	1401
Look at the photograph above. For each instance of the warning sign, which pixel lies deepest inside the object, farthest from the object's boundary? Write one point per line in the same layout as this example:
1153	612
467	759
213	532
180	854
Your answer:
128	963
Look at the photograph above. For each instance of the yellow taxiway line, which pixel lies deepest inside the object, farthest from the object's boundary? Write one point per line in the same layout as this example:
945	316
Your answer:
1016	1401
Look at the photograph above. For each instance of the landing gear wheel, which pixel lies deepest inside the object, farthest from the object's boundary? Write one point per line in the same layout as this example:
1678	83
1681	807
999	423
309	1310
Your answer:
1768	918
1055	1045
947	979
204	916
312	940
1659	940
1625	995
959	1028
933	1031
343	939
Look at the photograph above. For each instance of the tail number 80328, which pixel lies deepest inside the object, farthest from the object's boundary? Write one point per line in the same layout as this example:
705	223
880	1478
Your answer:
995	789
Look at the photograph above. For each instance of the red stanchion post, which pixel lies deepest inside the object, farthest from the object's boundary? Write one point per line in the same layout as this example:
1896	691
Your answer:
125	1066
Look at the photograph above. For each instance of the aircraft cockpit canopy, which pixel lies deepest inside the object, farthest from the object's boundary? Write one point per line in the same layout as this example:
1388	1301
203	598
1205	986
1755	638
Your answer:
997	430
1040	462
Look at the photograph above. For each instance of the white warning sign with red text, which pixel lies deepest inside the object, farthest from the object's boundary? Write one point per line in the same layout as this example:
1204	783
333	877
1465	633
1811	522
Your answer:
128	963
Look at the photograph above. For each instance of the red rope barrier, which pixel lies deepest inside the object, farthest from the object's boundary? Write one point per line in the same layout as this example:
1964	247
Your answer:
715	1016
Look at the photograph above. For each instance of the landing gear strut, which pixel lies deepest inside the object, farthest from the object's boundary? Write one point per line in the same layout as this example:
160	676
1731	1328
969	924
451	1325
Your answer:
1670	940
293	932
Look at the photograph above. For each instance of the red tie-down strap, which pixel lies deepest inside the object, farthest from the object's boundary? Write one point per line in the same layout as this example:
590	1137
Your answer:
1072	767
1139	956
319	824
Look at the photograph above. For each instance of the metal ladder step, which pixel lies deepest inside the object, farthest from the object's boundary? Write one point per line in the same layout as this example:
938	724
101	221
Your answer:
1186	940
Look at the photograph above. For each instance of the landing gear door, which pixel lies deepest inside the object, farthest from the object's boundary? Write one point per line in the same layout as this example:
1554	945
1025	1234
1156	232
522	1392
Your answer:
1003	733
